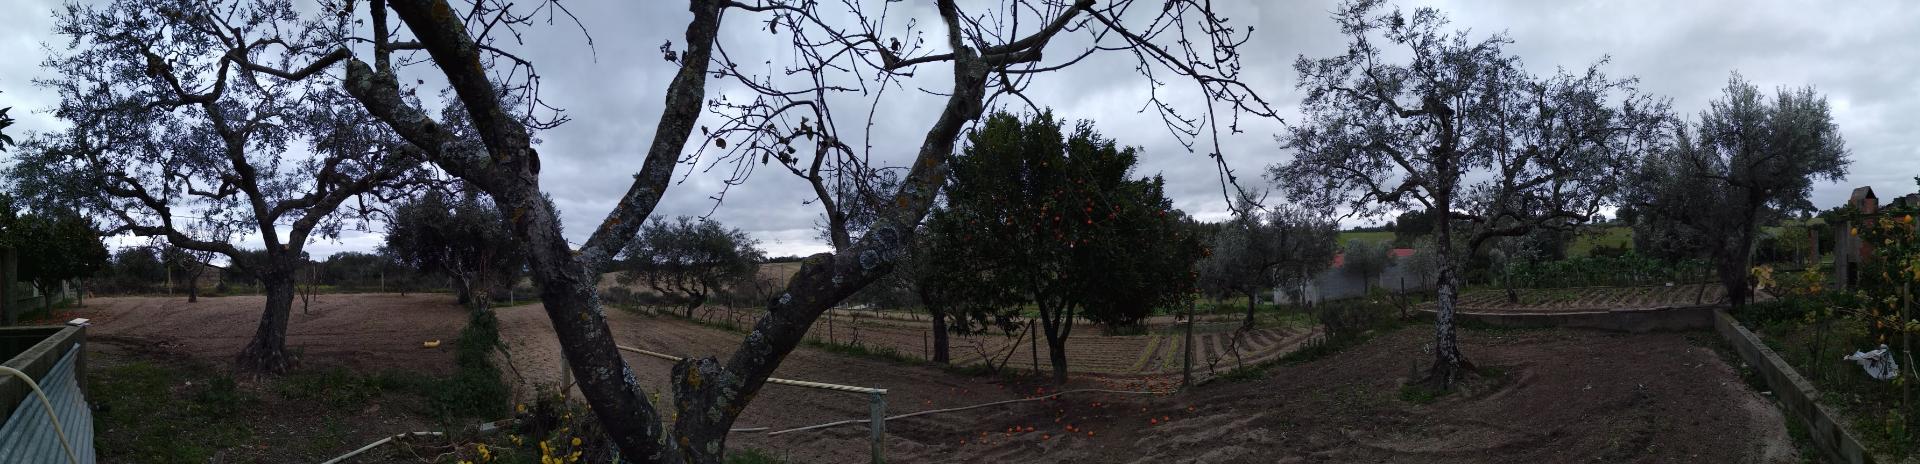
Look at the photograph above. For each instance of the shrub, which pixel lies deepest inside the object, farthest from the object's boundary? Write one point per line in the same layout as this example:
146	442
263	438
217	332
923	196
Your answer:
1626	269
475	389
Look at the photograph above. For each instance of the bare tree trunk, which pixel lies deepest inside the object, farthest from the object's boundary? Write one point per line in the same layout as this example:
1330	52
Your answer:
1057	354
1249	323
940	350
1056	324
267	352
462	290
1733	269
46	299
1447	360
693	303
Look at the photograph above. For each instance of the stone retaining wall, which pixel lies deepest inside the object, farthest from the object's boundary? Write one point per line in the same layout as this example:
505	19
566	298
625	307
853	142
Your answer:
1797	396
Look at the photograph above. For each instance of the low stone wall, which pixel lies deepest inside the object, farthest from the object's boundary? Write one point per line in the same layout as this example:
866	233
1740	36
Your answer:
1797	396
1634	320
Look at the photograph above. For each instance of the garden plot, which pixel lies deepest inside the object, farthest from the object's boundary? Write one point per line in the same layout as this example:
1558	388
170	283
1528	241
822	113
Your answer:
1551	395
1159	353
1587	299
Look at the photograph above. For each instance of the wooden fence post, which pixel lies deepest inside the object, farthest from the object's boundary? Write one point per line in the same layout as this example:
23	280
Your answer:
1034	345
878	425
1186	376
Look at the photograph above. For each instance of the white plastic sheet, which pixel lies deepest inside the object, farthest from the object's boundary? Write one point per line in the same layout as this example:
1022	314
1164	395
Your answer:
1878	363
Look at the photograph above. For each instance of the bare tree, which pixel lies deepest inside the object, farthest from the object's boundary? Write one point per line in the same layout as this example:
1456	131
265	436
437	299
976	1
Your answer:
1459	128
277	57
186	111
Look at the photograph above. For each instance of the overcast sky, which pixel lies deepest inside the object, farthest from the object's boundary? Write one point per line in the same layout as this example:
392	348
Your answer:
1860	54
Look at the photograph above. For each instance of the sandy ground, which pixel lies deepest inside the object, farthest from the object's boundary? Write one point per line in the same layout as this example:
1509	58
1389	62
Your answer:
1561	395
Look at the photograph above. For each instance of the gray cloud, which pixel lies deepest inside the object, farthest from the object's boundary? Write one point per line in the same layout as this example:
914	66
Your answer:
1859	53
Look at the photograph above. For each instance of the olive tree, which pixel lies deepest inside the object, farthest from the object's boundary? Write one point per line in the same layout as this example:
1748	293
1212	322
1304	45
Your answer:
1414	115
1748	156
1262	248
186	112
465	239
1367	259
689	259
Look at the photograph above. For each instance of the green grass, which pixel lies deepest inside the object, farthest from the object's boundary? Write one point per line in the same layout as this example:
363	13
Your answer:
1611	236
1245	373
1417	393
753	456
1368	236
140	419
884	353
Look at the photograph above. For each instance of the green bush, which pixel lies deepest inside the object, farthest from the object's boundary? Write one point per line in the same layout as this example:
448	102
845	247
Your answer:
1626	269
475	389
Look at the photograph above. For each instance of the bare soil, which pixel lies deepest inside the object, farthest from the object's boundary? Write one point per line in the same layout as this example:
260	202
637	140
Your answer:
362	332
1548	395
1218	344
1588	299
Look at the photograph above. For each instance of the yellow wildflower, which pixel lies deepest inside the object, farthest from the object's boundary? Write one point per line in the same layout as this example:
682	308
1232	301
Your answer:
576	441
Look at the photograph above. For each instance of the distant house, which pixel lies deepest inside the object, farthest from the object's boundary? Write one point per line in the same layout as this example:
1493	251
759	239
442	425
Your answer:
1848	250
1337	282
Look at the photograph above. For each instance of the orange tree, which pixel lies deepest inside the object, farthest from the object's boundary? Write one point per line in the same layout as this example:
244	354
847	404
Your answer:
1061	222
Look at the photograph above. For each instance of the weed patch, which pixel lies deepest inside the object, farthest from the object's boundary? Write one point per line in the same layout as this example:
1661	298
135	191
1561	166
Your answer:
1416	393
140	419
884	353
753	456
1245	373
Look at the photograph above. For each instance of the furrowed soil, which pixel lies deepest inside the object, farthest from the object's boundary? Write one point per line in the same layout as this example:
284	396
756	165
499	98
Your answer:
1546	395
